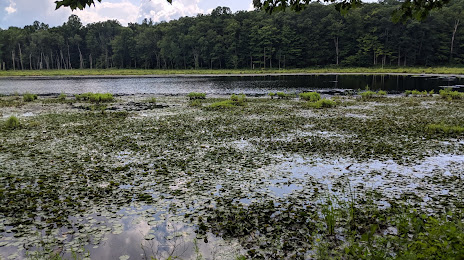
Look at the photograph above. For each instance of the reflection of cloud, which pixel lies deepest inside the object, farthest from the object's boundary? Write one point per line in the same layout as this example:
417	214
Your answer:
11	8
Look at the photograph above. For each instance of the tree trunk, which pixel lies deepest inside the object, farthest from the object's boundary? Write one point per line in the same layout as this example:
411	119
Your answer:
337	52
30	61
13	59
264	58
456	24
90	59
20	56
81	60
399	57
69	58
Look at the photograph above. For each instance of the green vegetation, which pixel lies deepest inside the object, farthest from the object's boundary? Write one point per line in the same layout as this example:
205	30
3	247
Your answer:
323	103
195	95
310	96
62	97
451	95
195	103
222	40
272	95
29	97
12	122
234	101
445	129
282	95
152	100
366	95
417	93
95	97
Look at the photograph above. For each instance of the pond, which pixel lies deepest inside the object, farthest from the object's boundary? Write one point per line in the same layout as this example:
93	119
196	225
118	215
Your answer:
250	85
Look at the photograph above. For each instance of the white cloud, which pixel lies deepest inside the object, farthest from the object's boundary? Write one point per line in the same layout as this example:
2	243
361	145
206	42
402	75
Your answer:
124	11
11	8
160	10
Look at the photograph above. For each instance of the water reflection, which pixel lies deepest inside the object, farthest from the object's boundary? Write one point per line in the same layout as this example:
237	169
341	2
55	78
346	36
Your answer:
251	85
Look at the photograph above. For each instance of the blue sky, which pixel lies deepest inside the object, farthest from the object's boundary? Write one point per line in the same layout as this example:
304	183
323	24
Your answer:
25	12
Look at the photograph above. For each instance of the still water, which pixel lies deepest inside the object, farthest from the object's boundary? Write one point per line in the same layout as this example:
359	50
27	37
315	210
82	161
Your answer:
251	85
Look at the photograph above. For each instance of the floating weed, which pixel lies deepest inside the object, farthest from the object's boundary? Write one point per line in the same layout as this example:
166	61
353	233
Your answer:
310	96
12	122
28	97
196	95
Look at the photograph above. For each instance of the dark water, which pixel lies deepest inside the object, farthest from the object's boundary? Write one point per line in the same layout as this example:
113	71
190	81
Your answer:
252	85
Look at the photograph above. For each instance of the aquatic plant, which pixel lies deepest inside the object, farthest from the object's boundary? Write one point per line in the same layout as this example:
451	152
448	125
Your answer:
323	103
222	104
451	95
282	95
367	94
196	95
239	99
152	101
272	94
195	103
416	93
28	97
12	122
95	97
310	96
445	129
381	92
62	97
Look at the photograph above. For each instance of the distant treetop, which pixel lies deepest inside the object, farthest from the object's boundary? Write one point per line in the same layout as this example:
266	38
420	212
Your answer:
417	9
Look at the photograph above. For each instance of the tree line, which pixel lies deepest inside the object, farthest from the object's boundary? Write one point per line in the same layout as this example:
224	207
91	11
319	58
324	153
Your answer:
316	36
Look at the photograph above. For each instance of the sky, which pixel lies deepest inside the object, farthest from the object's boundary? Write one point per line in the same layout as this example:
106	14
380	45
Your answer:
24	12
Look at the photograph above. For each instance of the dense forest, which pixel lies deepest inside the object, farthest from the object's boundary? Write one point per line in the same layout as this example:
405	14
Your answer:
317	36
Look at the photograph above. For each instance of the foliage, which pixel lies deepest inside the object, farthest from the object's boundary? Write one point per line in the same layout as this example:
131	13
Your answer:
272	95
247	40
310	96
323	103
448	94
234	101
29	97
95	97
152	101
195	103
282	95
442	128
195	95
416	93
62	97
239	100
12	122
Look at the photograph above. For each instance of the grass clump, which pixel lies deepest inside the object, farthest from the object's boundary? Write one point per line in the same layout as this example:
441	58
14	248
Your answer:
195	103
451	95
272	95
196	95
323	103
367	95
95	97
282	95
12	122
417	93
444	129
234	101
151	101
28	97
62	97
310	96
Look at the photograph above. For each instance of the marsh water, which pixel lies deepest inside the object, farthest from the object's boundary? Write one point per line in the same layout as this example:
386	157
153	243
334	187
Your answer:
250	85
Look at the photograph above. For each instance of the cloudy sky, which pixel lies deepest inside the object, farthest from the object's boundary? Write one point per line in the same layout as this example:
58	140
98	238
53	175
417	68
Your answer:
25	12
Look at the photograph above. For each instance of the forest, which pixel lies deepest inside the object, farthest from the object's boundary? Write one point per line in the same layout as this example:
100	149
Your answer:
316	36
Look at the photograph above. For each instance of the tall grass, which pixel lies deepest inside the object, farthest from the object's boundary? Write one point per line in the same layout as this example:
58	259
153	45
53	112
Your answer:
310	96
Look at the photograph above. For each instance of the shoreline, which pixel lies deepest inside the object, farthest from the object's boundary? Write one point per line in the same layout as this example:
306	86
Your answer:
212	75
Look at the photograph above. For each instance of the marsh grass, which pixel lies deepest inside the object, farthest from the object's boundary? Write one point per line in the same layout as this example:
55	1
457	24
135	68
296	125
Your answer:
95	97
28	97
417	93
283	95
196	95
62	97
323	103
310	96
195	103
272	95
151	101
12	122
448	94
444	129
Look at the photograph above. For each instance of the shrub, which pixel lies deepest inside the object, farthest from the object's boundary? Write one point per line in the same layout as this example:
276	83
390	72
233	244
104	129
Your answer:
448	94
29	97
416	93
272	94
195	95
95	97
152	101
310	96
12	122
323	103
